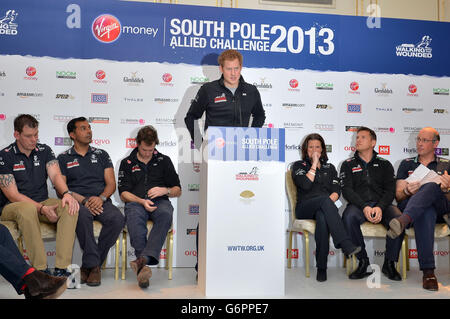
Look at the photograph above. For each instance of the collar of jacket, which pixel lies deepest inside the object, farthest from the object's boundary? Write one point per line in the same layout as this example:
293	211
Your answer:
374	156
221	82
133	156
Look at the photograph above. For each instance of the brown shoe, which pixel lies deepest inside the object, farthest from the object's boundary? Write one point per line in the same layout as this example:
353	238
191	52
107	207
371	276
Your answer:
84	274
40	285
142	272
430	282
95	277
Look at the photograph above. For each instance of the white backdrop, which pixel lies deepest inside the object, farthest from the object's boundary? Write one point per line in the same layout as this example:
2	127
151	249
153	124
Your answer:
159	94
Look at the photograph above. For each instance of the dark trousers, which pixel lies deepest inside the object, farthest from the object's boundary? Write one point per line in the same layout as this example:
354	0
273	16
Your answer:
328	221
425	208
136	219
112	220
353	217
12	265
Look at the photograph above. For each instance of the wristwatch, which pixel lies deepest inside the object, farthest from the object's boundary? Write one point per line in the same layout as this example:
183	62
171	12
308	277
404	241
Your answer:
67	192
168	191
103	198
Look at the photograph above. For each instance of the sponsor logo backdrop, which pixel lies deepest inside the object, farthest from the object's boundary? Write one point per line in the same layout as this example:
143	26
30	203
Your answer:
124	65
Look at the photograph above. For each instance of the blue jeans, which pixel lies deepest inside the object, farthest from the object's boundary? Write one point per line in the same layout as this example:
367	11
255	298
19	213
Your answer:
136	220
425	208
353	217
12	265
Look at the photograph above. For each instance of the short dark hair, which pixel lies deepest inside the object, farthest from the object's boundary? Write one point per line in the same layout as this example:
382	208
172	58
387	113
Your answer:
148	135
371	132
314	137
24	119
71	126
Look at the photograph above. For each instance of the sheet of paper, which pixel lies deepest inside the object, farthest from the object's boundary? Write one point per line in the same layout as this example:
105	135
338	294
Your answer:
418	174
423	175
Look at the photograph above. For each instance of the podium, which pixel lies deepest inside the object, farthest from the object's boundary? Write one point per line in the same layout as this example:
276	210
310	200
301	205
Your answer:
242	213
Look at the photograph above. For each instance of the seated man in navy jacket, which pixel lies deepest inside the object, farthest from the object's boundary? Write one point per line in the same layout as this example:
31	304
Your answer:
147	179
89	173
423	205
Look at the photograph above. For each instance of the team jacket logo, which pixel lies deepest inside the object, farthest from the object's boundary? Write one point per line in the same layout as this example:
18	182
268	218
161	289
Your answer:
135	168
72	164
19	167
221	98
356	169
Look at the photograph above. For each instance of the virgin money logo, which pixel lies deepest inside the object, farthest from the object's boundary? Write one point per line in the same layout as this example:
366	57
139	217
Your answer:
354	86
100	74
167	77
106	28
293	83
412	88
31	71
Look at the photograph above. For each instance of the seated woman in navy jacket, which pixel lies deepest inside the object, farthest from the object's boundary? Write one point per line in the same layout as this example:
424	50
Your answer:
318	189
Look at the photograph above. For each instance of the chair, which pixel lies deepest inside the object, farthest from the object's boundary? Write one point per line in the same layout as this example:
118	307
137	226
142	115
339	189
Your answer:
169	249
14	231
305	226
48	231
440	231
379	231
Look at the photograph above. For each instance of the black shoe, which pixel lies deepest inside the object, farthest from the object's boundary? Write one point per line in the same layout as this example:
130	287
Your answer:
361	271
390	271
61	272
321	275
40	285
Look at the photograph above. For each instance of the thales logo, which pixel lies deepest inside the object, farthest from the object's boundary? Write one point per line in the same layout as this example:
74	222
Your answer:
106	28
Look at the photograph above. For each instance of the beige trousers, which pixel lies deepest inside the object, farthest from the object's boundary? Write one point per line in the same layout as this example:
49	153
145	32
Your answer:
27	218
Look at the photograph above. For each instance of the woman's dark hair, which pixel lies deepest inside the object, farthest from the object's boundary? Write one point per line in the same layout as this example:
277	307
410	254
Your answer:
314	137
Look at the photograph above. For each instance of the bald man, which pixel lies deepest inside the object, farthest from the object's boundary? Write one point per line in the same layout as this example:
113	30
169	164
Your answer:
423	205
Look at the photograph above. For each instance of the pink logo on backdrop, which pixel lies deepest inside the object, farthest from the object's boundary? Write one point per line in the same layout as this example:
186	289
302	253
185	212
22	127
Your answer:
106	28
412	88
354	86
293	83
167	77
31	71
220	142
2	117
141	121
100	74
